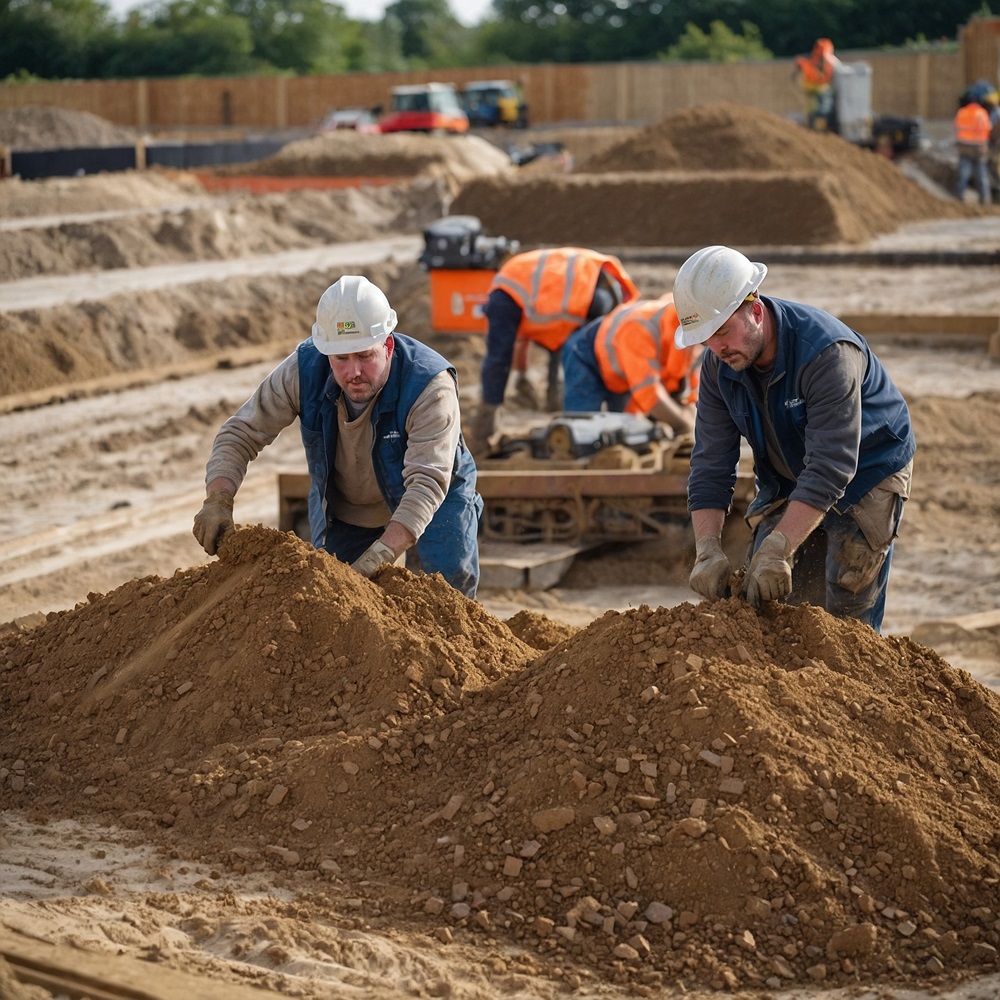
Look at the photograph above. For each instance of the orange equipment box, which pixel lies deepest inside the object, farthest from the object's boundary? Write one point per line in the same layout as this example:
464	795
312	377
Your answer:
457	299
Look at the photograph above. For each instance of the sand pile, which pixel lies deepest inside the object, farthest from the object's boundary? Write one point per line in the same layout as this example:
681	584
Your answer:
716	173
41	127
200	228
696	795
346	153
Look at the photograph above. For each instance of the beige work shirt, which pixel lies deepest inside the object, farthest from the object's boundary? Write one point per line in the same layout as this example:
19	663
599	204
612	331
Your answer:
433	426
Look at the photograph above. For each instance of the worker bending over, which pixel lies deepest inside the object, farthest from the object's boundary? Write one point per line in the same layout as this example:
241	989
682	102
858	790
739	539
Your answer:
542	296
817	76
830	434
627	362
380	423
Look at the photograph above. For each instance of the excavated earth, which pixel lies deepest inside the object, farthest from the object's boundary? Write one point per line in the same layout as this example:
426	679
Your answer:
265	770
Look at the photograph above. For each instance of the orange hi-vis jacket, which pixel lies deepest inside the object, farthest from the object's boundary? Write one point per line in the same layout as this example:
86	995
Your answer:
818	67
972	125
634	347
554	289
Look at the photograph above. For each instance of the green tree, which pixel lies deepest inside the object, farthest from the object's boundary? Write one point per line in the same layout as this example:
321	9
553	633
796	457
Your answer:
304	36
53	38
182	37
719	44
430	34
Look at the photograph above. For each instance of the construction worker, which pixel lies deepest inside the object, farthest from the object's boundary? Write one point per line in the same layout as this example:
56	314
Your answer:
627	362
830	434
972	138
542	296
816	73
380	424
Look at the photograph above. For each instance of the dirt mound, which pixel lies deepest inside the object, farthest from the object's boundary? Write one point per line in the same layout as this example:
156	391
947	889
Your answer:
42	127
716	173
698	795
345	153
222	229
123	190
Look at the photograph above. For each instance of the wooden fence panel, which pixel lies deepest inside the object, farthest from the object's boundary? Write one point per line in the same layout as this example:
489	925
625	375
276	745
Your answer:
903	83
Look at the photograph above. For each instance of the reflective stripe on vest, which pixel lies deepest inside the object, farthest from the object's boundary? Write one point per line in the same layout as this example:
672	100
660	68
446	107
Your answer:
554	289
634	347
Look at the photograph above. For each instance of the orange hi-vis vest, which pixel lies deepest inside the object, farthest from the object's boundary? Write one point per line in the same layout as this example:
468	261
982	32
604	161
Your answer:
819	66
635	350
554	289
972	125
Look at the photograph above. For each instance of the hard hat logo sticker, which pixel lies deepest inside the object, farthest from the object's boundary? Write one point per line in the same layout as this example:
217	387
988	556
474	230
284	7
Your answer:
346	326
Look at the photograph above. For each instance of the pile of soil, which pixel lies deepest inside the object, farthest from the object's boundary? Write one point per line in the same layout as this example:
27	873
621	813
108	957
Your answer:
697	795
346	153
122	191
42	127
191	226
716	173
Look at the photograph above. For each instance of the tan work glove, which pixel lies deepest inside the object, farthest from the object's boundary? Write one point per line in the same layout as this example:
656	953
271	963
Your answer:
213	520
377	554
483	427
711	571
770	575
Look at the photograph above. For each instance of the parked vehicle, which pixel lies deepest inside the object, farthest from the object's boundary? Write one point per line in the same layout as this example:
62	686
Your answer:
490	103
426	107
356	119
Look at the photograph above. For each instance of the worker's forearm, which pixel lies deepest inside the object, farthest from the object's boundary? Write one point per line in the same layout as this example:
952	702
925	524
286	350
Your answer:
221	485
678	417
707	521
798	522
398	538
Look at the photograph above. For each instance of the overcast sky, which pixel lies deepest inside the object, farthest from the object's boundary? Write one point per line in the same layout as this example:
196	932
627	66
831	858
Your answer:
469	12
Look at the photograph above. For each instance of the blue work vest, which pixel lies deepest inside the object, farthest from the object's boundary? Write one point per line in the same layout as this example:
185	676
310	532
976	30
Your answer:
449	544
887	442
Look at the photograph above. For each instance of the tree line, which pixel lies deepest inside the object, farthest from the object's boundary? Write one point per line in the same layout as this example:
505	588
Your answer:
82	39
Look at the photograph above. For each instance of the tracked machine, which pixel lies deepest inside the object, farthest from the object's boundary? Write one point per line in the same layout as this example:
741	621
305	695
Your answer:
585	478
574	482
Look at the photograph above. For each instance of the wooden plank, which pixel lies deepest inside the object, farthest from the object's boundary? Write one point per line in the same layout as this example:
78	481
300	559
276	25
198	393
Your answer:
974	621
531	484
535	566
78	974
961	325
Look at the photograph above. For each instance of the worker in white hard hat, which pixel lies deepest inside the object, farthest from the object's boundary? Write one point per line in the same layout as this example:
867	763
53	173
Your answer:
380	422
830	434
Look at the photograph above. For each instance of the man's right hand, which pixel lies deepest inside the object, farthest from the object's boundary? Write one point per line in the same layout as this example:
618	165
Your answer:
711	572
213	520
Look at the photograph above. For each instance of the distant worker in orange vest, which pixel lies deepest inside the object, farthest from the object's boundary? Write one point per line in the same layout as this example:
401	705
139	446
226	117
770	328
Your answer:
542	296
817	73
628	362
972	137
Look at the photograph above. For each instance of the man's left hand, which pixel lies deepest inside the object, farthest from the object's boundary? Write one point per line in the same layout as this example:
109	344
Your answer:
770	575
377	554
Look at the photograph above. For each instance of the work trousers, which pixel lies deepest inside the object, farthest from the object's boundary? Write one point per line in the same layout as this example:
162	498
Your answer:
970	167
836	553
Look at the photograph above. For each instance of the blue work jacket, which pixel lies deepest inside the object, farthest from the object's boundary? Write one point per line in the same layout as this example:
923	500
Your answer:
887	443
449	544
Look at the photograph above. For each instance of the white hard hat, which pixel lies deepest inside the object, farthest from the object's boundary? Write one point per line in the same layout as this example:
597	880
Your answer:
709	288
353	315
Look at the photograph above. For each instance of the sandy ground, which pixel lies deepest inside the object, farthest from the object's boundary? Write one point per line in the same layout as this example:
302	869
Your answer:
100	487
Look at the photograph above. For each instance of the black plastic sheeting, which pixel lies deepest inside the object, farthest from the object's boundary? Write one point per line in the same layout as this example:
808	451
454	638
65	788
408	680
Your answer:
187	155
30	165
33	164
